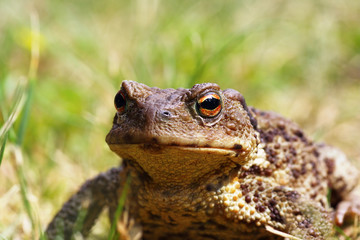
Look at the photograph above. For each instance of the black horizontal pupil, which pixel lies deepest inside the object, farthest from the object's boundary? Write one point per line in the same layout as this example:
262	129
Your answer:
210	103
119	100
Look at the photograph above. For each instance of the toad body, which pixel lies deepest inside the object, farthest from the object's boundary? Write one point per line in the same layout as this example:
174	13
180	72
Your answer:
200	164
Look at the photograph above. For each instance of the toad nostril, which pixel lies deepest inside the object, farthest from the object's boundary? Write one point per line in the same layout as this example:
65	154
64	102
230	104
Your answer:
165	114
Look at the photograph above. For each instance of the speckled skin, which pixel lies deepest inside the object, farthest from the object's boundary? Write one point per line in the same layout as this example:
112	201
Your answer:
225	177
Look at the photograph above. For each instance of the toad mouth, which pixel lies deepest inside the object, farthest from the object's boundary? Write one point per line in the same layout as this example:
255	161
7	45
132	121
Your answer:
156	148
161	142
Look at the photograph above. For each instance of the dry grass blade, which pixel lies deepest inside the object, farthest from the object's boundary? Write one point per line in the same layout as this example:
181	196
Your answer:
279	233
35	45
356	229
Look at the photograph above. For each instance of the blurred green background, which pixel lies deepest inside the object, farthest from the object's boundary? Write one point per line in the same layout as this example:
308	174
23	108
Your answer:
298	58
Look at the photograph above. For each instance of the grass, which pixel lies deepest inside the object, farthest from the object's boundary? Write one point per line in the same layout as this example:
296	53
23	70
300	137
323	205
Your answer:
341	232
113	233
299	58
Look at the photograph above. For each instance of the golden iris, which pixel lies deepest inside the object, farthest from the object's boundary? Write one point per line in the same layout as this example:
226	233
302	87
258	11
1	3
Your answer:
209	105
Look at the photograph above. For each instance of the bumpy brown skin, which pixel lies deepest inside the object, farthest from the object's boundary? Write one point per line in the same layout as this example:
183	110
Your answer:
225	177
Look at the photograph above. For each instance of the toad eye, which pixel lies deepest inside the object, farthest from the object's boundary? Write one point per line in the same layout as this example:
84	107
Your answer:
120	102
209	105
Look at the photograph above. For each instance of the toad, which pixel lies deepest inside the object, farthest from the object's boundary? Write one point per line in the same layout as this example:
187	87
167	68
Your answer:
200	164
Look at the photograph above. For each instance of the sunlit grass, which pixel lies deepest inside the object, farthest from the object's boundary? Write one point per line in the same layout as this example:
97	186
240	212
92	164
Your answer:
299	58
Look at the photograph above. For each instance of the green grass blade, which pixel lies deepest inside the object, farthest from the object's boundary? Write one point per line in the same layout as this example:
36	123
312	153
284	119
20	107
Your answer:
14	113
15	110
2	150
340	231
119	209
24	196
26	113
34	63
328	196
80	220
